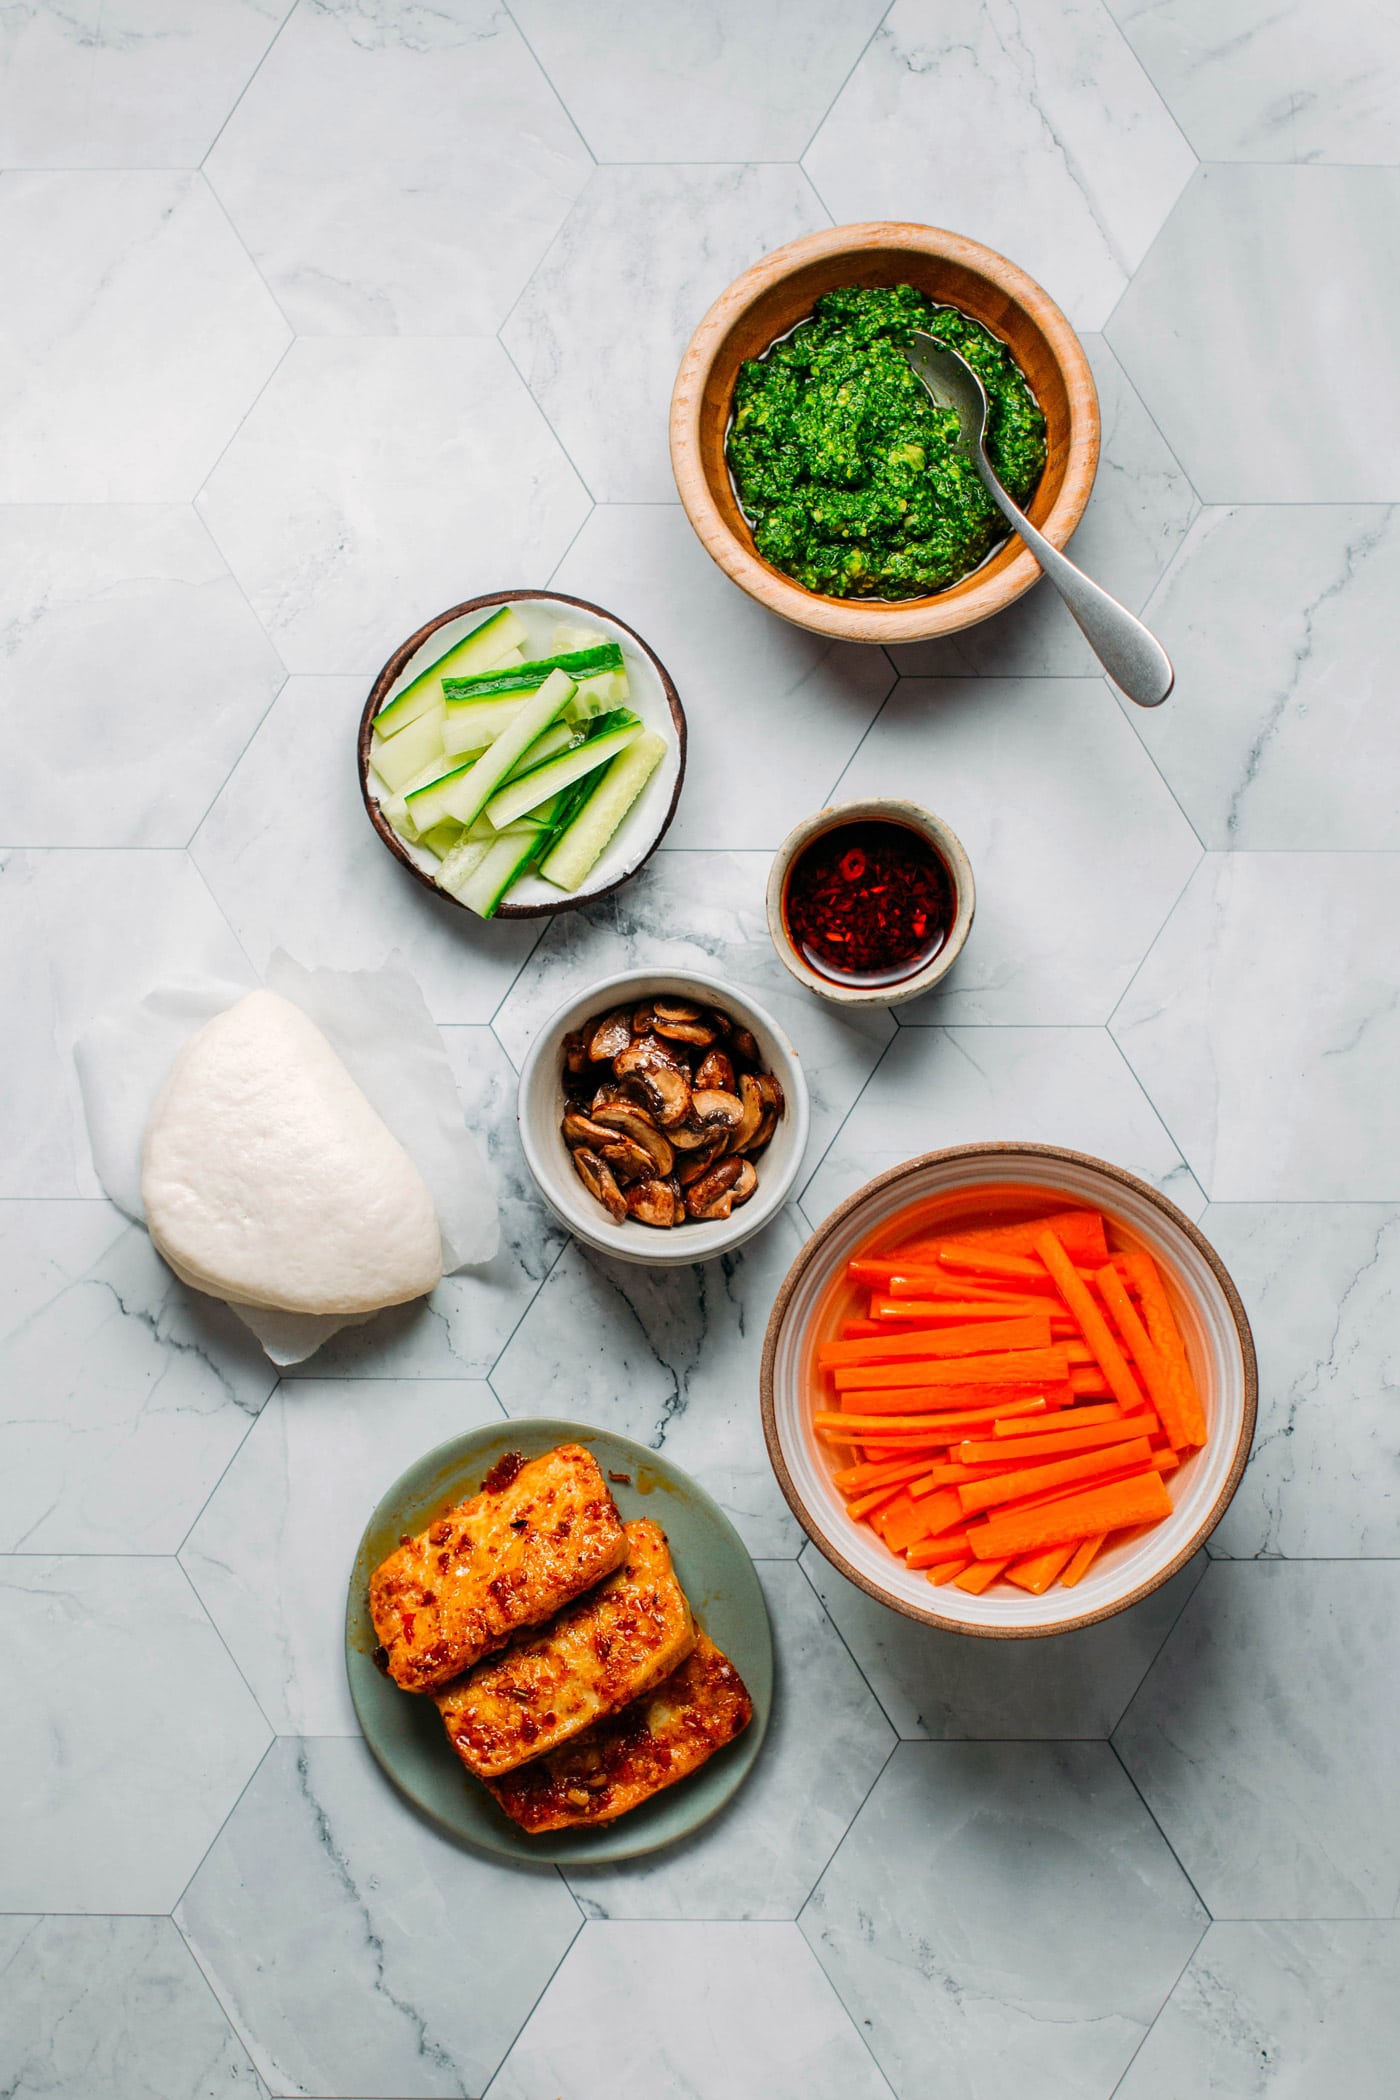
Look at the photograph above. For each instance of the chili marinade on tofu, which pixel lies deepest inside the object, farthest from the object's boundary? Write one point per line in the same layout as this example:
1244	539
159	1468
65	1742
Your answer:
845	468
621	1762
540	1532
605	1650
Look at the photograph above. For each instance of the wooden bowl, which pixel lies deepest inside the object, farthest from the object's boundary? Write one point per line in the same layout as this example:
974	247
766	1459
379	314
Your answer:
947	1186
781	290
645	824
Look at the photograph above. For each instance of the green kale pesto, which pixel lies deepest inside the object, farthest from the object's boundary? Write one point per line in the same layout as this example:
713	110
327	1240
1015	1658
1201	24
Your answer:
844	466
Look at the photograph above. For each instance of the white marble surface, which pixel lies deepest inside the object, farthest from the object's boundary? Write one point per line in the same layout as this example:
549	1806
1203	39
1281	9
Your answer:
748	2015
1265	1024
323	315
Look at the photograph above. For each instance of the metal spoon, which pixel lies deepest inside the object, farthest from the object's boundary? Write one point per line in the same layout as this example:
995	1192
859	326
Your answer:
1132	657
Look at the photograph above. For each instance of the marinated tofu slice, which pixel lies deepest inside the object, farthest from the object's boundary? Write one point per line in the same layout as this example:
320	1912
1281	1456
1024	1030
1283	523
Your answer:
540	1532
624	1760
605	1650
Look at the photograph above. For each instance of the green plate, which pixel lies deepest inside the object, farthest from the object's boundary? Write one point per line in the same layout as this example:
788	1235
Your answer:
403	1729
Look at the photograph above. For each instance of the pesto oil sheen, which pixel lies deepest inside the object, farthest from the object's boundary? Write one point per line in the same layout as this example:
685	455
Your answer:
845	468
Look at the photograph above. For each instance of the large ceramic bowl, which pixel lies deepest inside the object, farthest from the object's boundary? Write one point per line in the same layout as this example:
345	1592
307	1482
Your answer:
541	1110
946	1187
781	290
653	697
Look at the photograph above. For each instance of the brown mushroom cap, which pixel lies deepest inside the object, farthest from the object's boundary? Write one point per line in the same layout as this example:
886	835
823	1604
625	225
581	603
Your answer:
712	1108
629	1161
655	1202
613	1032
751	1096
662	1083
597	1178
746	1183
636	1123
716	1068
712	1196
691	1165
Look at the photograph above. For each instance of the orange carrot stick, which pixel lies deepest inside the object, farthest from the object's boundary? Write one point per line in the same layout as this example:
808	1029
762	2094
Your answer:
1039	1570
975	1338
1166	1340
1137	1500
1057	1443
945	1570
1070	1418
875	1498
1081	1231
981	1577
1152	1367
928	1552
1010	1367
1160	1462
1031	1480
906	1521
1086	1551
954	1399
1009	1271
951	1312
854	1480
1089	1383
1092	1324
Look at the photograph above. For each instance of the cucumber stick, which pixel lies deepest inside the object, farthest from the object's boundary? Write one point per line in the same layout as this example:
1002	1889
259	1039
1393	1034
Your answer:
397	758
428	804
534	787
527	678
579	845
481	650
473	728
471	790
493	875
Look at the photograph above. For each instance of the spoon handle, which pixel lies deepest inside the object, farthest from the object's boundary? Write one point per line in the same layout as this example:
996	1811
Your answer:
1133	658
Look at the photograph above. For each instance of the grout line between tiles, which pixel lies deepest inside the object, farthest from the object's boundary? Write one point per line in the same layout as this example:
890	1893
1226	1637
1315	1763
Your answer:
582	1926
544	417
1113	1747
233	1810
548	78
1162	2007
845	83
218	1635
272	45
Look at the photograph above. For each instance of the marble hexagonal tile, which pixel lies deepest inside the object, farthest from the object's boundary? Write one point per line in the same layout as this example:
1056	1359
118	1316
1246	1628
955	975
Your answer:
827	1742
1282	622
714	2012
959	1086
377	483
355	1950
947	1688
1078	849
135	673
1087	161
79	930
1006	1907
1222	333
143	337
773	712
600	328
133	1740
670	1357
1140	512
398	169
295	862
1263	1023
1250	81
1263	1738
736	83
272	1550
1320	1282
460	1329
113	2006
705	912
123	1395
1276	2010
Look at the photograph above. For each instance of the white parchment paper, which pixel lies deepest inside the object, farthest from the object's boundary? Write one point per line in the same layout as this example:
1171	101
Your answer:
379	1026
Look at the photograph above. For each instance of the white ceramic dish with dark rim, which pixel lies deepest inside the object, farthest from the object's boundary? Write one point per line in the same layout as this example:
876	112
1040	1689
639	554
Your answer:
541	1110
1218	1343
653	697
874	809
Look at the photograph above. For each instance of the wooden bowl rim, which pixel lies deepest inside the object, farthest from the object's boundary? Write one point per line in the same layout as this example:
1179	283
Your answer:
865	619
925	1614
410	648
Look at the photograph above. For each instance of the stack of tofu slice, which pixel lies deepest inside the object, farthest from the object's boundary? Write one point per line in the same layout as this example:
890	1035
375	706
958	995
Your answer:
558	1644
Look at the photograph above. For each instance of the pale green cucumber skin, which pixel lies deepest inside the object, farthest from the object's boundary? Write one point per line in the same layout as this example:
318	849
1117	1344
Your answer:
484	889
560	737
475	653
579	847
397	759
429	805
546	780
471	795
475	725
488	684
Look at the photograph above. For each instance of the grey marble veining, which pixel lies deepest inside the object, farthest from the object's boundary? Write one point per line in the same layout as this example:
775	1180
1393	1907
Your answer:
321	316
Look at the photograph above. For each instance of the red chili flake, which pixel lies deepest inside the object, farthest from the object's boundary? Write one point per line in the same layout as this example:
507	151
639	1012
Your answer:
868	903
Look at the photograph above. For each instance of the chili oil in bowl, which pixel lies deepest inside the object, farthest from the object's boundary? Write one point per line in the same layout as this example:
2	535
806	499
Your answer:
870	903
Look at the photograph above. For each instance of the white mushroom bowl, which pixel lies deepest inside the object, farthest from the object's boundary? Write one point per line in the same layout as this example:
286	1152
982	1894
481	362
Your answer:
541	1113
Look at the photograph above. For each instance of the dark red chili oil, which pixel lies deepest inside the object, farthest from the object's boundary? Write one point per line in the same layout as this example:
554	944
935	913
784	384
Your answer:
868	902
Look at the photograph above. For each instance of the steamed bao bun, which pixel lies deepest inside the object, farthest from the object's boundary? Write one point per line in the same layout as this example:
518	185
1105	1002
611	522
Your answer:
268	1179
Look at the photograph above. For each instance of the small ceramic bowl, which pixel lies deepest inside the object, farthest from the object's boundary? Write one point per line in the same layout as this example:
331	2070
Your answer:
541	1110
946	844
653	697
945	1187
781	290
